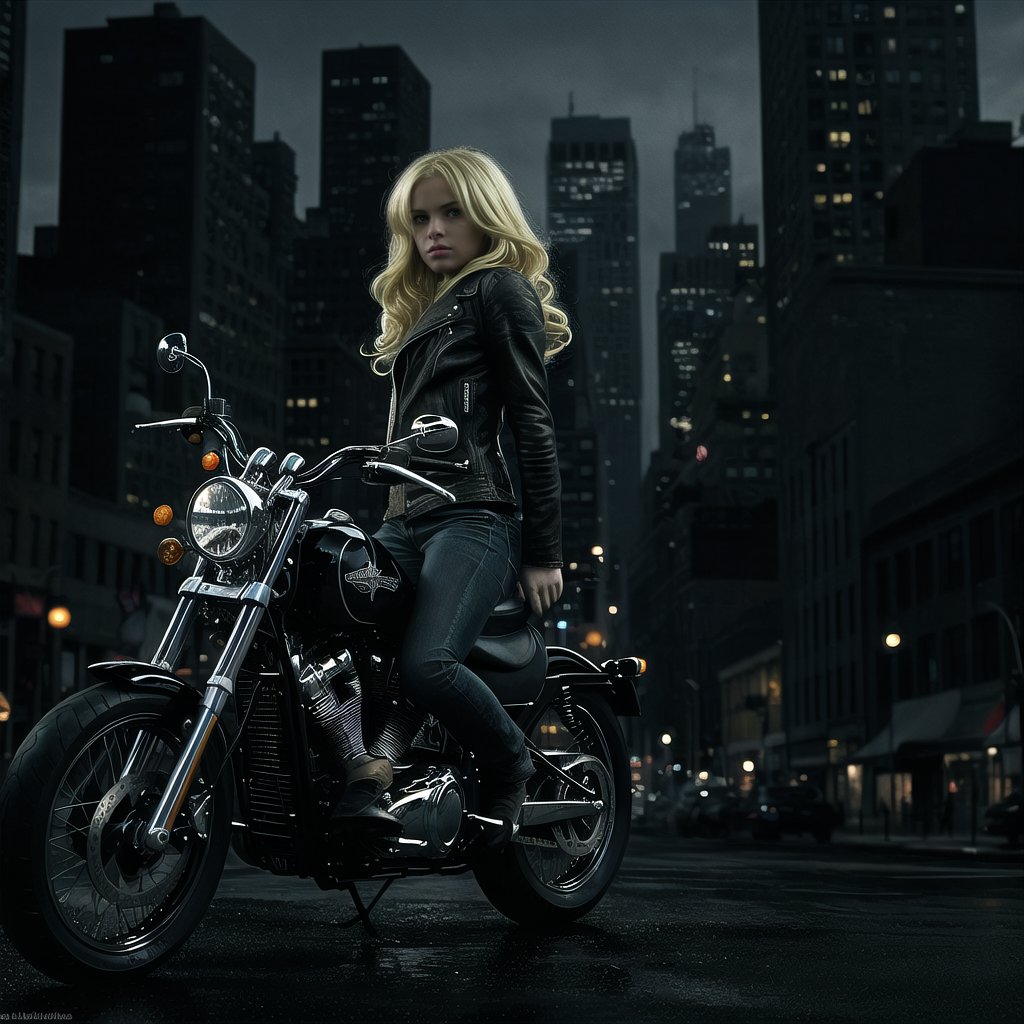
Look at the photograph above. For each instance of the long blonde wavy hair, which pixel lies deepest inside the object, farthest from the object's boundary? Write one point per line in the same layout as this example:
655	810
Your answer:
407	286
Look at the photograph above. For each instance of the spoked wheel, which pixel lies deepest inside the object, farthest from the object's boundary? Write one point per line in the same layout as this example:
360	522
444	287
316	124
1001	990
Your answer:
80	896
560	871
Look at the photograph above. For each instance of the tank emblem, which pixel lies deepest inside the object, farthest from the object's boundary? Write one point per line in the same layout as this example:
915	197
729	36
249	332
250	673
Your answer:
370	579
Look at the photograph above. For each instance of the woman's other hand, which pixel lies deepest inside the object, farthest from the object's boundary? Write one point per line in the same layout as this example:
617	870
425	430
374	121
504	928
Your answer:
539	587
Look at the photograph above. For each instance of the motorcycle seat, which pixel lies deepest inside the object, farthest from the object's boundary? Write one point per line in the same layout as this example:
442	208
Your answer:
510	616
513	666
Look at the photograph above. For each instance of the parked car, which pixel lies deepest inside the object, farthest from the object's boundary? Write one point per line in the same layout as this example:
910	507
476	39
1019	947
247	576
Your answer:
712	808
774	811
1005	819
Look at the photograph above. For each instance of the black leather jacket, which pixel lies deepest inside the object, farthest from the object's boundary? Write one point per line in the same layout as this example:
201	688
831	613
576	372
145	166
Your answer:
477	355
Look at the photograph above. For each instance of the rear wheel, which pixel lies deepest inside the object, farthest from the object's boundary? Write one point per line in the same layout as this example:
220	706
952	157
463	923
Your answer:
567	868
78	899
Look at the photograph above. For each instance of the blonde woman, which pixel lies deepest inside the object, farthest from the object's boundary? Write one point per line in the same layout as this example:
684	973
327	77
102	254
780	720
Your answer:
467	323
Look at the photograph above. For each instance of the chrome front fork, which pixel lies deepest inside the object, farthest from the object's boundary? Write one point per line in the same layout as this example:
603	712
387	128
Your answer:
255	599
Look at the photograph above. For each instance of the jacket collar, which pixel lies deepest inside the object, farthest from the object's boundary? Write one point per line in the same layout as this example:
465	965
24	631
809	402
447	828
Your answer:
443	310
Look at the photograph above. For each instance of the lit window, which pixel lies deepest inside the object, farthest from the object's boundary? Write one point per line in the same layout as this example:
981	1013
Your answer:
313	403
890	12
765	416
890	44
727	377
820	199
838	140
820	168
301	403
865	108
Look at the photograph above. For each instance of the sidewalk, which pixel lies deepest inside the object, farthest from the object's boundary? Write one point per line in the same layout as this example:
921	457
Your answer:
984	847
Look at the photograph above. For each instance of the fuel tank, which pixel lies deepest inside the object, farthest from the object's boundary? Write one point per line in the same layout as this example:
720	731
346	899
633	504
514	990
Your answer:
346	579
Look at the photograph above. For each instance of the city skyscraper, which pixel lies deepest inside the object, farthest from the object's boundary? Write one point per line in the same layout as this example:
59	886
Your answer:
695	296
374	119
848	92
12	82
703	188
592	205
170	215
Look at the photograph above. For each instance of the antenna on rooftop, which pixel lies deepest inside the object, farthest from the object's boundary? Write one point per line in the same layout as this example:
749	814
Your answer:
571	106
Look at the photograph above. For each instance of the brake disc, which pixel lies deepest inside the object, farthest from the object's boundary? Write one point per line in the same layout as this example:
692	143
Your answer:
106	866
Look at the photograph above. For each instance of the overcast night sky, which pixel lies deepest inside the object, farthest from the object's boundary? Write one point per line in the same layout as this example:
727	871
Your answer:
499	71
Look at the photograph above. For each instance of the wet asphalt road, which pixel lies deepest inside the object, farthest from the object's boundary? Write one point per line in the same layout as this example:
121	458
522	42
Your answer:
693	930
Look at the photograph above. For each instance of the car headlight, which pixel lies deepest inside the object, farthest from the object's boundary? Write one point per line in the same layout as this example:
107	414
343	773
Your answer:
225	519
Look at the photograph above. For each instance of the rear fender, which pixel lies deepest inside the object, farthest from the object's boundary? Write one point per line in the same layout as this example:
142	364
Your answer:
620	693
570	668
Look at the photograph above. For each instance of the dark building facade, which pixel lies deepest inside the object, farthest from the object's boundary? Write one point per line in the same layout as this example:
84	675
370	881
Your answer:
374	119
882	502
583	608
592	204
171	217
695	298
12	88
849	91
705	586
959	203
703	188
171	214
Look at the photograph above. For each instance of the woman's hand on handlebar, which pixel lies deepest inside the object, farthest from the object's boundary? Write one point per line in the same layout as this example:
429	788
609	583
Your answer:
539	587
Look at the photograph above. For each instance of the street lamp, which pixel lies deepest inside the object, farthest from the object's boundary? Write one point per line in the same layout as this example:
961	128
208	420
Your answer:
58	617
1006	689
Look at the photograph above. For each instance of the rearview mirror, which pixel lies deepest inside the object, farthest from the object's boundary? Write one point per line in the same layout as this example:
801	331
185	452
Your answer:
436	434
171	352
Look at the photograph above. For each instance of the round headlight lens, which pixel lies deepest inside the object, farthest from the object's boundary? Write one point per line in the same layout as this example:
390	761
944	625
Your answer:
219	519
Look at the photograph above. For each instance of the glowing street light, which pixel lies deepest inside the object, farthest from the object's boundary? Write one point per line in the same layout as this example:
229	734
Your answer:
59	617
666	739
893	640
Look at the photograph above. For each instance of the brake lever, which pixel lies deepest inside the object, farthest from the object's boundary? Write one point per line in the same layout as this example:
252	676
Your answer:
190	421
407	474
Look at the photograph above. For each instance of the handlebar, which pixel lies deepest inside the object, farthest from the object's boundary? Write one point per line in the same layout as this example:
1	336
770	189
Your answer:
187	421
406	474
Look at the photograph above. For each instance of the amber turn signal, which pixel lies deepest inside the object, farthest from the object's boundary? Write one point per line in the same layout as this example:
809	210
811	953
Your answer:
162	515
211	460
170	551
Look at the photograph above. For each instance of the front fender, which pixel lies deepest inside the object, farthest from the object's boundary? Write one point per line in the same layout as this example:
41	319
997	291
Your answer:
140	675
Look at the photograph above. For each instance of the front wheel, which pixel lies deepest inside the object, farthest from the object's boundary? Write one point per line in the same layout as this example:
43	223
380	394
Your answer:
78	899
562	870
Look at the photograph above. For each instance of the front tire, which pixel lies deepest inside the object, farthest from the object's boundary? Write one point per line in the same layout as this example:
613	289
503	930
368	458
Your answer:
559	882
77	899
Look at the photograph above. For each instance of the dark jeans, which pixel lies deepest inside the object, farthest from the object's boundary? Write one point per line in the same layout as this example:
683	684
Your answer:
463	561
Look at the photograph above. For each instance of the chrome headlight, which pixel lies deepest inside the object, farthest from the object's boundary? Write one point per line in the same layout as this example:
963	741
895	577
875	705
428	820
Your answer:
226	519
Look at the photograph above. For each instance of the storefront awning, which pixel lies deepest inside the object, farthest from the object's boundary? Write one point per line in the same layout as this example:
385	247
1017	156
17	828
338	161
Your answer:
980	710
913	721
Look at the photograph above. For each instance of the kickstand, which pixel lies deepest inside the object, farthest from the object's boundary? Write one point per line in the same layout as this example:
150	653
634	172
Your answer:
362	910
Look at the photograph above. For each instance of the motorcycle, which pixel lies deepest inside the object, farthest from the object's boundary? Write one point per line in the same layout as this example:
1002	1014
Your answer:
118	809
